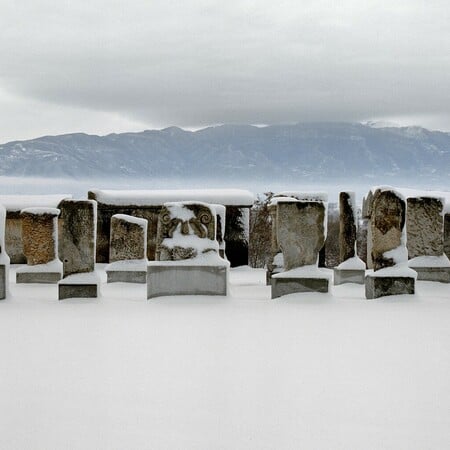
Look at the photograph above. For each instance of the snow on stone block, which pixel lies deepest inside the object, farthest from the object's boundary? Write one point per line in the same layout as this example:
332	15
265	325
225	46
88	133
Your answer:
230	197
16	203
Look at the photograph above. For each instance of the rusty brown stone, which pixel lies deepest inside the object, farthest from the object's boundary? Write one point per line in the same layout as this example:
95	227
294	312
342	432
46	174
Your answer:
39	237
128	238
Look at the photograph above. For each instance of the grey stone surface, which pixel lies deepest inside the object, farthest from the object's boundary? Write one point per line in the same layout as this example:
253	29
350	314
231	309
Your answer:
126	276
300	232
67	290
78	236
440	274
176	279
38	277
424	227
128	239
342	276
447	234
285	286
382	286
3	281
387	223
347	226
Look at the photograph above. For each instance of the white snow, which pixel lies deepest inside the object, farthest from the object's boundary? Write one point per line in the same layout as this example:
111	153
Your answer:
128	265
306	371
132	219
399	270
39	210
231	197
19	202
311	271
55	266
202	259
429	261
82	278
178	210
354	263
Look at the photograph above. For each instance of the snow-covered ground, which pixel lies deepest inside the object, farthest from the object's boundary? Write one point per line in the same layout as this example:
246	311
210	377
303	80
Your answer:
307	371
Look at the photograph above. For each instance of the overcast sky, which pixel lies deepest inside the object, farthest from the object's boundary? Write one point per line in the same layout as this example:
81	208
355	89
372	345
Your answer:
102	66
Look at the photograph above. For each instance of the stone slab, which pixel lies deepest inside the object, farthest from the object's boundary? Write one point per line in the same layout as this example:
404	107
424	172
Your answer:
3	281
177	279
342	276
38	277
126	276
440	274
77	291
285	286
382	286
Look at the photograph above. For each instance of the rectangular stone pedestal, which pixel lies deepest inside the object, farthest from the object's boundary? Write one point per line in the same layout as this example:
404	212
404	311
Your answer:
165	279
285	286
126	276
388	285
342	276
3	281
82	285
38	277
440	274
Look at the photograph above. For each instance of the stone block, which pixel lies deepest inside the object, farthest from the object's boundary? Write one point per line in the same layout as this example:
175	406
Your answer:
377	286
342	276
126	276
3	280
76	290
284	286
439	274
38	277
166	279
128	238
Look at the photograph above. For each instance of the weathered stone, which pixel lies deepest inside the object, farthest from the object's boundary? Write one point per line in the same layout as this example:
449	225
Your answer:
300	232
447	234
3	280
78	236
424	227
126	276
128	238
40	235
286	286
389	285
77	291
347	226
387	223
438	274
342	276
177	278
179	223
4	258
38	277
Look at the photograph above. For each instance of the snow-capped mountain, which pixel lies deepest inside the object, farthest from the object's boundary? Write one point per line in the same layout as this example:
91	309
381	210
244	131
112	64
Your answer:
307	151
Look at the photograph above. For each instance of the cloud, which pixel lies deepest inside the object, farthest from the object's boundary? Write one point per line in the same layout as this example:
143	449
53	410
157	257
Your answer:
193	63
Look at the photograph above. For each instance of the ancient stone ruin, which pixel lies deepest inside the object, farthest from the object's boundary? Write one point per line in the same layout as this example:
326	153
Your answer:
78	249
389	255
40	246
187	253
352	268
300	235
425	231
4	258
127	250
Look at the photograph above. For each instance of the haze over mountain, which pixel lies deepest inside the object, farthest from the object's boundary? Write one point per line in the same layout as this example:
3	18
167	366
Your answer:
310	152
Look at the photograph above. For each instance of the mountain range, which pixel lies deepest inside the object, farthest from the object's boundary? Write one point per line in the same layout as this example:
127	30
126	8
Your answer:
307	151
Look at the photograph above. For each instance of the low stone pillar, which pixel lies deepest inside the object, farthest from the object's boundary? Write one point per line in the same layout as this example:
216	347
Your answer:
40	246
188	260
425	238
391	275
127	250
351	268
78	249
4	258
300	226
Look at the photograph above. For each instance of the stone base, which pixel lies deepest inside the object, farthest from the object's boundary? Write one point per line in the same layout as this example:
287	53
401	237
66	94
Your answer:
126	276
3	281
342	276
285	286
388	285
38	277
77	291
181	279
440	274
